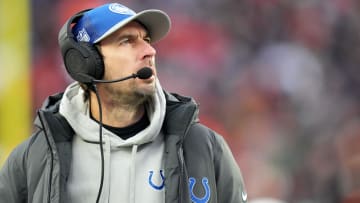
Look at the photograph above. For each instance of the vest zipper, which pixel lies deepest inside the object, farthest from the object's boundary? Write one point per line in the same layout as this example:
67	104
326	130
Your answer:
52	158
183	190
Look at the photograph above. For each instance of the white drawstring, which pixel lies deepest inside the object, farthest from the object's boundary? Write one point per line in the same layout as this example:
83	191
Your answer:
132	174
107	167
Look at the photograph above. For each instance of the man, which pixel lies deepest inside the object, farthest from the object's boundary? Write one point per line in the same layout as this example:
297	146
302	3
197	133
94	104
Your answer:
115	135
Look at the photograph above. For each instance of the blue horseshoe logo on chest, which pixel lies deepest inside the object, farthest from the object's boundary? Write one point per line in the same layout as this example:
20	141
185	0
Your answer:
157	187
194	198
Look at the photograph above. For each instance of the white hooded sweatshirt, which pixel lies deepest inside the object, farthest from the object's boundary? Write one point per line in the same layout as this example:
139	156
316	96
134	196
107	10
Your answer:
133	168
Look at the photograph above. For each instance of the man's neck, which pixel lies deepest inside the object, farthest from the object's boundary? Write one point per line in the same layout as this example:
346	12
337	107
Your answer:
116	114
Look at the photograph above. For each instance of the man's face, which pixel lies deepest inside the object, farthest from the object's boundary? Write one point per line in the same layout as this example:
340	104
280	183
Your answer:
125	52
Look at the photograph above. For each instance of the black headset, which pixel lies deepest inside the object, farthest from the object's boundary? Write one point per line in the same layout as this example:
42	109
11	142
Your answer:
82	60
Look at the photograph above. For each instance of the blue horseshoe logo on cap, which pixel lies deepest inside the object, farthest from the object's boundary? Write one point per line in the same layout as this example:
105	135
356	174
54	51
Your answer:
157	187
205	183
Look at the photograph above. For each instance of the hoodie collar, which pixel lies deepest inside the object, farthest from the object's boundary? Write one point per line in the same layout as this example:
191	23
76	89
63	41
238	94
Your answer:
76	111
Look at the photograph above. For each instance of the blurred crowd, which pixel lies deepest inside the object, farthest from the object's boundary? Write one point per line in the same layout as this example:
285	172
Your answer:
277	78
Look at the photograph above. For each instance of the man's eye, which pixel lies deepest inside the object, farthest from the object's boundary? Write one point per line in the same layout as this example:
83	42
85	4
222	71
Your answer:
147	39
124	40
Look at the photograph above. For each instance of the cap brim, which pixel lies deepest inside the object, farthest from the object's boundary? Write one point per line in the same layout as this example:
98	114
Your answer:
155	21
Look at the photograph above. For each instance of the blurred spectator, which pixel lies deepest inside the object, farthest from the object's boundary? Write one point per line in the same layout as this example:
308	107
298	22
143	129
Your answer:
349	153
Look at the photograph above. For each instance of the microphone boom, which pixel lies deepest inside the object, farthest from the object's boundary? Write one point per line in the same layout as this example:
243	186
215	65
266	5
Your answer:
143	73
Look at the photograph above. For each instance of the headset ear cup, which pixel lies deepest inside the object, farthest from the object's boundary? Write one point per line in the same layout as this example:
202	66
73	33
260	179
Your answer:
82	61
94	61
96	58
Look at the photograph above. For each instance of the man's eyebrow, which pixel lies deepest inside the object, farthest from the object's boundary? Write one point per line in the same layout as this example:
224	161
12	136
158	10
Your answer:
130	35
121	37
125	35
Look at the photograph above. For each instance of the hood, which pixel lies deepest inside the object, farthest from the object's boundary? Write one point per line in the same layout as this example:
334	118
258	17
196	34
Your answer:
76	112
51	105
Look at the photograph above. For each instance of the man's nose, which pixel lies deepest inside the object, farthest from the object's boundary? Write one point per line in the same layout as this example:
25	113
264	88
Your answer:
148	50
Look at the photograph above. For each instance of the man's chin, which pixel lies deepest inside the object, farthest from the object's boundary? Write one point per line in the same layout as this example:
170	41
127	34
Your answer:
147	89
146	92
